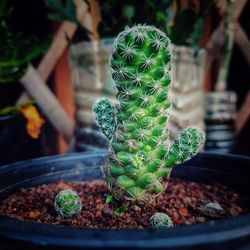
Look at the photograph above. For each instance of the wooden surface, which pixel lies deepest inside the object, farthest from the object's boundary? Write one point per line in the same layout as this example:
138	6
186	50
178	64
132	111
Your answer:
243	114
62	80
64	92
49	104
243	42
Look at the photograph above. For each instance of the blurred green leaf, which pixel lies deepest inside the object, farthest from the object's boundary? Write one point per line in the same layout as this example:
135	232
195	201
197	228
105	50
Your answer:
119	211
12	74
109	198
70	9
5	10
160	16
14	109
168	3
10	110
197	33
183	26
64	12
59	12
128	11
17	50
116	15
54	4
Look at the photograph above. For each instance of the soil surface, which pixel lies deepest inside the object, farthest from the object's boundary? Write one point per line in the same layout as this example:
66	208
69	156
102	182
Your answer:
185	202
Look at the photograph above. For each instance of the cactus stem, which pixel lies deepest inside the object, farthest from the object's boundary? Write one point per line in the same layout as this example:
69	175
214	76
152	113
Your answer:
137	126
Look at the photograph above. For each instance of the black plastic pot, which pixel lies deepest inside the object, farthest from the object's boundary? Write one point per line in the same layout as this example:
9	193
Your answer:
220	121
222	234
90	140
220	137
15	143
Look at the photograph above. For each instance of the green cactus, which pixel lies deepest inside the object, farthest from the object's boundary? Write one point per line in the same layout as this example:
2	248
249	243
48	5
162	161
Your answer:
105	118
140	155
67	203
160	220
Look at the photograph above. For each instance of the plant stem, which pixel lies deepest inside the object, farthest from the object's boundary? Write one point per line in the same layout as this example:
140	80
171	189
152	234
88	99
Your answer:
229	42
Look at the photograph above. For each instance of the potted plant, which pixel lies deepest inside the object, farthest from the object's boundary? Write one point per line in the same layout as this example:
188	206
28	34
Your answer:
137	125
70	190
20	124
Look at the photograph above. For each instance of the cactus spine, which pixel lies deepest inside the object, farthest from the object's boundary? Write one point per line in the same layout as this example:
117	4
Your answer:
140	153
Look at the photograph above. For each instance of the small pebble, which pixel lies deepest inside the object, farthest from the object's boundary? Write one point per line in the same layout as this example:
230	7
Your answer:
214	205
200	219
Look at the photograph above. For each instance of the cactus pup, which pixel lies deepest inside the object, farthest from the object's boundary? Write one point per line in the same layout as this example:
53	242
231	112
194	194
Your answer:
160	220
140	154
67	203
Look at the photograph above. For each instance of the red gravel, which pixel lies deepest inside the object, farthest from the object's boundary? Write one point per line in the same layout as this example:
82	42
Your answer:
183	201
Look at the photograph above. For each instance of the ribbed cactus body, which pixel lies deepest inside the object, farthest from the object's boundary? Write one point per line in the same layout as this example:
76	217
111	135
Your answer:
140	153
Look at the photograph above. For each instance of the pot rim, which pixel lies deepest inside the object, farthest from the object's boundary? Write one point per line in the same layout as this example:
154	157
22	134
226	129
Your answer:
192	235
9	116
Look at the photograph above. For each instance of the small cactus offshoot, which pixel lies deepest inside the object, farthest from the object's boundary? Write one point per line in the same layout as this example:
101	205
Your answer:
160	220
140	154
67	203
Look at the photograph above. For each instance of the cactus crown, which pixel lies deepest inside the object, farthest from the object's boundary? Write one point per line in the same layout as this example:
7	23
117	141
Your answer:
160	220
140	154
67	203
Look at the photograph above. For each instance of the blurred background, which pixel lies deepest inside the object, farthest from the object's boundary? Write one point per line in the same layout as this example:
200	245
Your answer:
54	65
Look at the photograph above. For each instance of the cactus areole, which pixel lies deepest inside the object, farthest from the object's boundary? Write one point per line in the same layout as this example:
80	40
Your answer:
140	154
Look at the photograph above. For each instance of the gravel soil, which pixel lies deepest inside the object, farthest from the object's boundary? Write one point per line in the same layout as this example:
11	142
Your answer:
185	202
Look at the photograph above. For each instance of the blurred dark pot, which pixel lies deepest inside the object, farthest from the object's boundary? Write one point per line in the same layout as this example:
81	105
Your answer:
15	143
89	140
220	121
233	233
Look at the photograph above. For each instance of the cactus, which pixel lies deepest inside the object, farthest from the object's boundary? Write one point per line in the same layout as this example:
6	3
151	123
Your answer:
160	220
105	117
67	203
140	155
